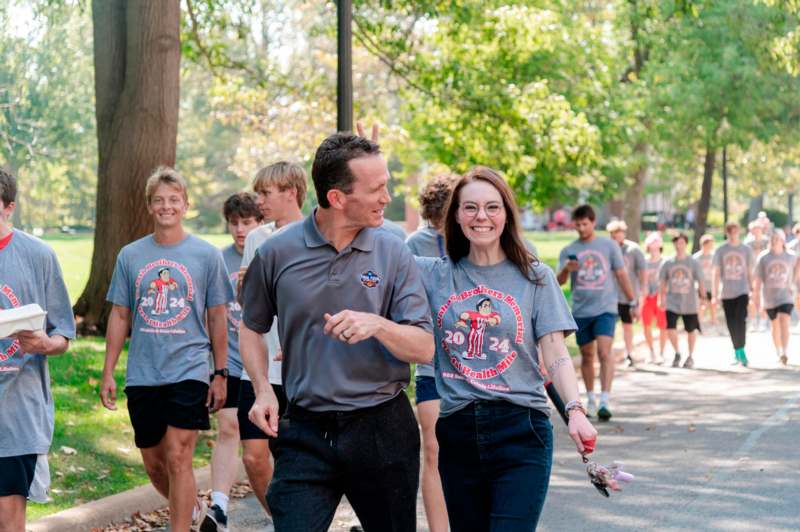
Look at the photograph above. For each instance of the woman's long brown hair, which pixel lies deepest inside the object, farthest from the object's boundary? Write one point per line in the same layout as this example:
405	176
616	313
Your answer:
511	240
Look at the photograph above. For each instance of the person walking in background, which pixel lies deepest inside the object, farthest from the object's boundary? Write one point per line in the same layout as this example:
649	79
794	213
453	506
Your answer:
495	438
636	267
594	266
428	241
29	274
681	280
733	269
651	310
758	241
705	256
776	276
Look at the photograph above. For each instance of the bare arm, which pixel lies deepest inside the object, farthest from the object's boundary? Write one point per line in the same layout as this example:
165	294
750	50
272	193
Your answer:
38	342
218	332
569	267
119	323
662	294
264	413
757	293
559	366
624	283
407	343
715	283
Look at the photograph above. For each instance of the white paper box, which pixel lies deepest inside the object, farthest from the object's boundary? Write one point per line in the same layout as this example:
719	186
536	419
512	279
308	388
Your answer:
25	318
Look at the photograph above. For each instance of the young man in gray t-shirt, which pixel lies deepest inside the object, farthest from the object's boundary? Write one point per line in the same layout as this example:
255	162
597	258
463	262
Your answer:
29	274
171	290
733	268
594	266
681	281
636	266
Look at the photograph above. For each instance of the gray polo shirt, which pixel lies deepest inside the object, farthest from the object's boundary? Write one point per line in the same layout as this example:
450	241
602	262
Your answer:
298	276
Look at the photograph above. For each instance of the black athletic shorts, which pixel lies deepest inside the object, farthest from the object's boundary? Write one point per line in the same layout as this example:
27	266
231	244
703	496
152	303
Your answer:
152	408
786	308
16	474
232	395
624	312
247	396
708	295
690	321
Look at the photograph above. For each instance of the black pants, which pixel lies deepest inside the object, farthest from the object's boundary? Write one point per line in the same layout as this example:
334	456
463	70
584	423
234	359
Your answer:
736	318
370	455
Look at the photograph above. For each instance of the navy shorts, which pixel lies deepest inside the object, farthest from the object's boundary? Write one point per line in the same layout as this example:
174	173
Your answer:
17	474
786	308
426	389
592	327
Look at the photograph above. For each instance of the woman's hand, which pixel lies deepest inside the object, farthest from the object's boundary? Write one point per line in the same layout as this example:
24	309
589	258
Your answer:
582	432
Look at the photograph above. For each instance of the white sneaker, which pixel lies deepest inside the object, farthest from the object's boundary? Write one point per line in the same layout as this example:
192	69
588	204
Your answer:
591	409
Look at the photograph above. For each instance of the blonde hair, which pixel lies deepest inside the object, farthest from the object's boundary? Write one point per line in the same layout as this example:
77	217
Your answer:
616	225
165	175
283	175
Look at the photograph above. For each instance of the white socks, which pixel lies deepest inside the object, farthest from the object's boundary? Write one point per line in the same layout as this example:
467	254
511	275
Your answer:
220	499
590	397
604	398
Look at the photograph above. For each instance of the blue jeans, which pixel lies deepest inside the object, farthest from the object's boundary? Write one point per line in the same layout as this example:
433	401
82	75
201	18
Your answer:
495	460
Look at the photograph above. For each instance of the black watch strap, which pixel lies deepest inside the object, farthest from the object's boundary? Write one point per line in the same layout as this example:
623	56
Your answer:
221	372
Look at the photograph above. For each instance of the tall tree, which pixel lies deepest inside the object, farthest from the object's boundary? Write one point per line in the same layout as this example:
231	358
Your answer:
137	65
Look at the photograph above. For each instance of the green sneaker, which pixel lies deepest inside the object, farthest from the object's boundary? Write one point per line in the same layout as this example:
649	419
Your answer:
604	413
743	358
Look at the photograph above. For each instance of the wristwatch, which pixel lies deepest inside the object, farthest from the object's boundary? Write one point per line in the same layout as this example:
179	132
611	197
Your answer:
222	372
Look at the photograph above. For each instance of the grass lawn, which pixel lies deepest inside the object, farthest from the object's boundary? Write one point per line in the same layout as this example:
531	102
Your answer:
106	460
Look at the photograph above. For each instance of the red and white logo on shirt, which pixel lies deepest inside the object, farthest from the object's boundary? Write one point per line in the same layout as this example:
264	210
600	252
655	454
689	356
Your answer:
593	270
680	279
8	294
234	308
777	275
733	266
476	347
163	301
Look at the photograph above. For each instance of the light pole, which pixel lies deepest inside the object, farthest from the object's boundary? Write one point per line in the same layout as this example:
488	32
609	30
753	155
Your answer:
344	85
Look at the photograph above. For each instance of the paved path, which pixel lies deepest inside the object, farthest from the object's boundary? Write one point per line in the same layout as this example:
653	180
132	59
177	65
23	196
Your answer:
714	448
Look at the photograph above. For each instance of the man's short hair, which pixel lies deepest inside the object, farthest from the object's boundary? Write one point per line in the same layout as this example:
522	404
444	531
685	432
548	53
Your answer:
433	197
284	175
8	188
164	175
706	238
241	205
583	212
331	168
731	225
616	225
680	236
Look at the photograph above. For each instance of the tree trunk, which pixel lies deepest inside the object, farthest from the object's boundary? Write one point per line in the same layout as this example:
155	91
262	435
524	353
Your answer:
137	67
705	197
635	192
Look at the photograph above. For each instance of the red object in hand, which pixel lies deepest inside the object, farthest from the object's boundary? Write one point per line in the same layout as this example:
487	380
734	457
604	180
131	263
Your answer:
588	446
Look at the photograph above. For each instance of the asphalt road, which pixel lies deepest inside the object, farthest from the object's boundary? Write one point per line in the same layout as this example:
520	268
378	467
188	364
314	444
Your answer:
714	448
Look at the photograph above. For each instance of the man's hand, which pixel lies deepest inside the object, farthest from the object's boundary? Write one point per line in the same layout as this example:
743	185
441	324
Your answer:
264	412
635	313
108	392
352	327
572	266
34	341
278	357
217	392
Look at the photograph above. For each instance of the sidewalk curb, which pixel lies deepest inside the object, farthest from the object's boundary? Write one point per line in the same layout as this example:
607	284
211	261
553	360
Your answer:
115	508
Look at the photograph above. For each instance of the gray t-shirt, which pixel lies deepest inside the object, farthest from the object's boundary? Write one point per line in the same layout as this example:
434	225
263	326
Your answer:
776	273
168	290
426	242
757	245
29	273
635	263
298	276
594	284
681	276
653	267
707	265
233	261
734	263
488	321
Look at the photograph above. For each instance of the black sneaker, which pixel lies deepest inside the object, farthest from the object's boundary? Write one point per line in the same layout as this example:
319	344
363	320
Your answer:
631	362
215	520
689	363
676	362
604	413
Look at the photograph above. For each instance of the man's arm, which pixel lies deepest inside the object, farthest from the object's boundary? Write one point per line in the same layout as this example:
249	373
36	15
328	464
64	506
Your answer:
715	283
408	343
254	352
119	323
38	342
624	283
218	332
757	293
662	294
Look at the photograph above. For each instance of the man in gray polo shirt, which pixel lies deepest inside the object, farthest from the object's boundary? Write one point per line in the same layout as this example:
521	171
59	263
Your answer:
353	299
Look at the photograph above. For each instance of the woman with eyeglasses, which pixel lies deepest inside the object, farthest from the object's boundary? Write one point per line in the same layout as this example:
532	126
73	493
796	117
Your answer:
494	306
